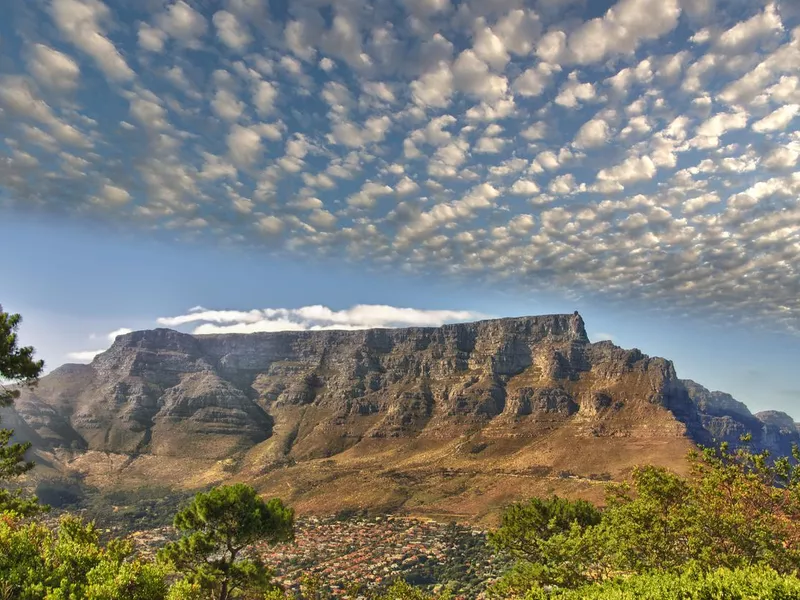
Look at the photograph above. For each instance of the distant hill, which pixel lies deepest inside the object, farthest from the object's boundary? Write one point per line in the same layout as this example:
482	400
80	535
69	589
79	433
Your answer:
455	420
727	420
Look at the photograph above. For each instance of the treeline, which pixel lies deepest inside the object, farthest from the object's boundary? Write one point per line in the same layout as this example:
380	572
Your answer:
730	529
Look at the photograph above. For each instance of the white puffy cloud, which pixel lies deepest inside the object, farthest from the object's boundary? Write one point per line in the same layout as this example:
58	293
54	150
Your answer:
315	318
264	97
573	92
489	145
226	105
743	36
624	26
518	30
413	136
427	8
524	187
85	356
270	225
533	81
52	68
183	23
537	131
592	134
631	170
367	196
721	123
19	98
231	31
321	218
491	49
151	38
471	75
244	145
114	195
777	120
781	158
434	88
80	22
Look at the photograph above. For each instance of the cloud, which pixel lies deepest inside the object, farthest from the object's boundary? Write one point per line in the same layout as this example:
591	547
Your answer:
185	24
231	31
612	153
624	26
85	356
80	22
244	145
592	134
599	336
53	69
777	120
315	318
121	331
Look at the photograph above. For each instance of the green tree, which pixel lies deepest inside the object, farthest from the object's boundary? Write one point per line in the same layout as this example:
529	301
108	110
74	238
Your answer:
747	508
69	562
525	527
547	537
17	365
735	510
647	522
218	527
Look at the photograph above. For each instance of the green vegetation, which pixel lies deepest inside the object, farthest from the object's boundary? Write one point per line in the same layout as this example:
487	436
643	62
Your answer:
217	528
18	366
748	583
734	511
38	562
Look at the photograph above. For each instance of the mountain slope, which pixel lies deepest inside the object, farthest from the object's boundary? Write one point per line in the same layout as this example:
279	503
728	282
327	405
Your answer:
454	419
727	420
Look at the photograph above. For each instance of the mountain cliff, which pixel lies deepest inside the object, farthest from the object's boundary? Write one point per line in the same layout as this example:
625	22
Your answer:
727	420
455	419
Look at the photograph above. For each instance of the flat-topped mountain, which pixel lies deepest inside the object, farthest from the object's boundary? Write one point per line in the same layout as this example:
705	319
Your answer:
455	419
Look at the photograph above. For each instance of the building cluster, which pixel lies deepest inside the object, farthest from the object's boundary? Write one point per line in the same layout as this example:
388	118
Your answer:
367	552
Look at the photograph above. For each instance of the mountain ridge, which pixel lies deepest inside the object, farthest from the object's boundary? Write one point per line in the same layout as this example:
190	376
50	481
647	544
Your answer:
314	414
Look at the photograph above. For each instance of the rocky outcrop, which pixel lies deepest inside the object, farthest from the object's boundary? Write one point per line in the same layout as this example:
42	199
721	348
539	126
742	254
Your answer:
163	392
727	420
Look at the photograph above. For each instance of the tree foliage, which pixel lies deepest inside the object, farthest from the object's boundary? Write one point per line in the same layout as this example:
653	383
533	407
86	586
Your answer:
734	510
218	527
526	527
40	563
748	583
16	365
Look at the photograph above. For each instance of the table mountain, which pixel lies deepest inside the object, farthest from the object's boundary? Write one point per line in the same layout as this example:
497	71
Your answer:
455	419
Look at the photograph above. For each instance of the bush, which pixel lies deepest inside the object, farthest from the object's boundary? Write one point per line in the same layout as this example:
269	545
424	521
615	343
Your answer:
733	511
751	583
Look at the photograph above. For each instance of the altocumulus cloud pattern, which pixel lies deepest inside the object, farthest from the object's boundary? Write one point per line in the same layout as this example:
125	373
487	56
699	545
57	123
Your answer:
639	150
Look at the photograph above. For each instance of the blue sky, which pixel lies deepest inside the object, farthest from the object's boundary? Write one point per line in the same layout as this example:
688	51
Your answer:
243	165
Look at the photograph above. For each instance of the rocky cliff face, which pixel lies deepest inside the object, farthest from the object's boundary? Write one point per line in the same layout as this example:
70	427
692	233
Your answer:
529	396
727	420
165	392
